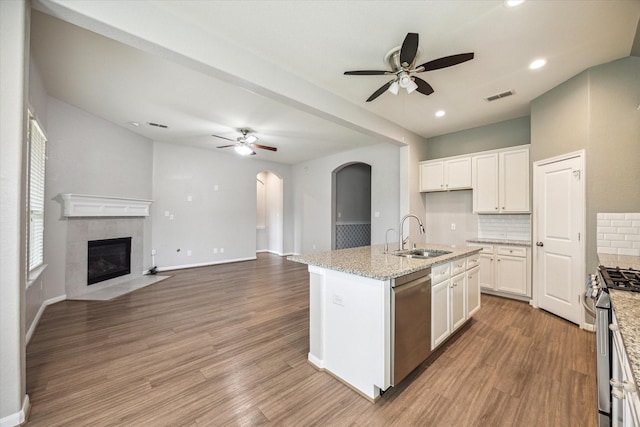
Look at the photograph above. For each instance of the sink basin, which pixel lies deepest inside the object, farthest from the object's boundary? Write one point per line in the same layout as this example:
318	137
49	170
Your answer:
421	253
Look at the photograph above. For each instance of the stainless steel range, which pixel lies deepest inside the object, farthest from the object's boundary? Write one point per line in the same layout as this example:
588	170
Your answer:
598	286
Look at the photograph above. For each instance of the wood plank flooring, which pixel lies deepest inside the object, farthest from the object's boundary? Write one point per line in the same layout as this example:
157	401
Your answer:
227	345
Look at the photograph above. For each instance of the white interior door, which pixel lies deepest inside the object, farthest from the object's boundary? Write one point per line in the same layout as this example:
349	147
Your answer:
559	235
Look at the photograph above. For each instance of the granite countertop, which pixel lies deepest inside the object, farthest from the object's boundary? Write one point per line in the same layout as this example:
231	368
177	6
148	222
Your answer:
501	242
627	307
370	261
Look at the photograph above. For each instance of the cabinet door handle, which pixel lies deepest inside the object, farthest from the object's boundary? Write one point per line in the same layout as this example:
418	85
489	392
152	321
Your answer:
503	207
496	208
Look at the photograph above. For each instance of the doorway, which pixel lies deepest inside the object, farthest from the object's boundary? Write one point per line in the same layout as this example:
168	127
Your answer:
559	218
351	206
269	206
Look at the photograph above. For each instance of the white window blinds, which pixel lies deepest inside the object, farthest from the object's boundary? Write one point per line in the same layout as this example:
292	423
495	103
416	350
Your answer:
37	157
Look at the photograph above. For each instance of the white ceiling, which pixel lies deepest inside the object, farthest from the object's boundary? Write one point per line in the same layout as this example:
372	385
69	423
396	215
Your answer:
315	42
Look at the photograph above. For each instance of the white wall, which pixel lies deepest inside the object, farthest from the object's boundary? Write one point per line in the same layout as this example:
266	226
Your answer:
312	189
14	21
88	155
446	208
214	218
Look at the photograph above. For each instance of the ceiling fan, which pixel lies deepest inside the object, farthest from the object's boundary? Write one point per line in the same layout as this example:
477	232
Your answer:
245	144
402	60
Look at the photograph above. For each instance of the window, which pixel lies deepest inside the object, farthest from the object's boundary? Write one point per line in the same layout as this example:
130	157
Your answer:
35	203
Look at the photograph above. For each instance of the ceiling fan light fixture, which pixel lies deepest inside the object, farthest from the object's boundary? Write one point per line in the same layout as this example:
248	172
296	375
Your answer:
243	150
404	80
250	139
411	86
394	87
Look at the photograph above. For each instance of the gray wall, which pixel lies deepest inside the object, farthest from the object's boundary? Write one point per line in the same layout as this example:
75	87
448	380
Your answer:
87	155
312	190
597	111
14	21
214	218
504	134
353	194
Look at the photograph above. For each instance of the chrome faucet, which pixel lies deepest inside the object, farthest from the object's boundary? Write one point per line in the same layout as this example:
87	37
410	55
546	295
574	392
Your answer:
386	240
401	241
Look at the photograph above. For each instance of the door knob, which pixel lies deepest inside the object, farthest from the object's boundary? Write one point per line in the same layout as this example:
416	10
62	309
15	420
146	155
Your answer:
539	244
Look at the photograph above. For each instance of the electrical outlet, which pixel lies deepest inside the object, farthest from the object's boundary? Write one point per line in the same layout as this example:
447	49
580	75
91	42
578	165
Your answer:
314	246
171	217
453	226
215	188
188	252
189	198
153	251
215	250
167	213
221	250
337	300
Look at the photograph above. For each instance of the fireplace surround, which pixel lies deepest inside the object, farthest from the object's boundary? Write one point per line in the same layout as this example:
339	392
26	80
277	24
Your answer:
101	218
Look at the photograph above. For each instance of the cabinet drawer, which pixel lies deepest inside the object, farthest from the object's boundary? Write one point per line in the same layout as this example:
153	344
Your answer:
512	251
440	272
458	266
473	261
486	249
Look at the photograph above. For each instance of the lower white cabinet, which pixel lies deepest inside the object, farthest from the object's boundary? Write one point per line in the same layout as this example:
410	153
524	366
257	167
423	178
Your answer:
440	313
473	290
505	269
455	296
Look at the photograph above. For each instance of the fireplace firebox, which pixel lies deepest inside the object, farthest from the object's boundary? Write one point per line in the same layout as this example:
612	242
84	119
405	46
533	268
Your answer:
108	258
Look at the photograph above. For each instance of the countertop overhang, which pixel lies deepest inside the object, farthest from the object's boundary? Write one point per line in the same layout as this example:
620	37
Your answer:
372	262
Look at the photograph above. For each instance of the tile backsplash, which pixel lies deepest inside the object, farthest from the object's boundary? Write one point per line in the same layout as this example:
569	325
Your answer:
507	227
618	233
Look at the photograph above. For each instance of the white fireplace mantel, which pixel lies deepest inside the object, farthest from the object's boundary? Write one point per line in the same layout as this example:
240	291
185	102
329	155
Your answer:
83	205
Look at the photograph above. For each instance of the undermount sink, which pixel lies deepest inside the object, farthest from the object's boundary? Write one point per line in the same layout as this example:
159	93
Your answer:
421	253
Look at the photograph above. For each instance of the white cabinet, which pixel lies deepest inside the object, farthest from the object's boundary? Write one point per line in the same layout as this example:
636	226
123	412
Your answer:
505	269
440	311
511	270
501	182
445	174
458	289
473	290
455	296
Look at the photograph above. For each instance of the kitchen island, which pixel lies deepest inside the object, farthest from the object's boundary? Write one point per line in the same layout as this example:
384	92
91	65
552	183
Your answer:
352	308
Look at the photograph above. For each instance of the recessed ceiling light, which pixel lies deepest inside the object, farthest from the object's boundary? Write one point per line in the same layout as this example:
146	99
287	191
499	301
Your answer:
538	63
513	3
440	113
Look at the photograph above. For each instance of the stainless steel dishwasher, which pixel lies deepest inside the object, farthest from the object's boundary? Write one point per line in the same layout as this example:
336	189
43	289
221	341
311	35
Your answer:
411	302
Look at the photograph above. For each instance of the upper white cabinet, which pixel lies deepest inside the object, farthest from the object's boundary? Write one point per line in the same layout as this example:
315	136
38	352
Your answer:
445	174
501	182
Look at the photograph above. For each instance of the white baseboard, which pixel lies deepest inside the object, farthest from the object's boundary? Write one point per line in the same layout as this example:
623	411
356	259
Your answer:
262	251
205	264
36	319
19	417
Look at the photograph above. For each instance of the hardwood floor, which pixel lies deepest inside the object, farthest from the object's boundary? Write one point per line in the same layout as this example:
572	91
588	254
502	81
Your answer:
227	345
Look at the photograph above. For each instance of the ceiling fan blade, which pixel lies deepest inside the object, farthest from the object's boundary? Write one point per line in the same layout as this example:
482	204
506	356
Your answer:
226	146
224	137
380	91
367	73
264	147
446	61
409	49
423	87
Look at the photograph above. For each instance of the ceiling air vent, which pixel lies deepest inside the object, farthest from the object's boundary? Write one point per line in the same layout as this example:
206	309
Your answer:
158	125
499	95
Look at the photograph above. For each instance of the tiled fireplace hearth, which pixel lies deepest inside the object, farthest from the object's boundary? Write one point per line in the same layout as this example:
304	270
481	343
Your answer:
96	218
